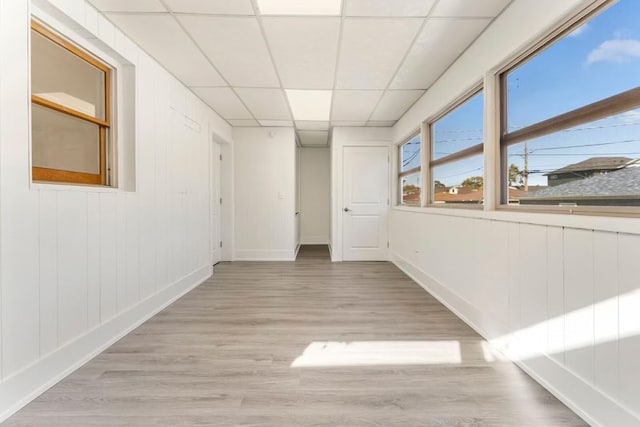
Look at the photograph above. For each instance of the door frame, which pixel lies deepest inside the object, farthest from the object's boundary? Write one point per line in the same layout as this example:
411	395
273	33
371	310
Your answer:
215	195
344	137
226	211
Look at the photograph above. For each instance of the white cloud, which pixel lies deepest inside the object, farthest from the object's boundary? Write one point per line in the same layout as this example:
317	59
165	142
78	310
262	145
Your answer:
615	51
579	31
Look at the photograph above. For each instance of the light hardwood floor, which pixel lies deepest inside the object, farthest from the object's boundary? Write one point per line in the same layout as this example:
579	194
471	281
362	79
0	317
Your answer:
309	343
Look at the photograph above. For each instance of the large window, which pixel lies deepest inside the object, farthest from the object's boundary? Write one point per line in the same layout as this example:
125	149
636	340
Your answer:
457	164
571	117
70	96
410	171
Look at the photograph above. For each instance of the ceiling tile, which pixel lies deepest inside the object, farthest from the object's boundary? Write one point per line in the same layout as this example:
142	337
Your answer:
372	50
312	138
427	60
310	104
388	8
466	8
235	46
277	123
244	123
350	105
265	104
312	125
304	50
300	7
394	104
128	5
216	7
224	101
348	123
161	37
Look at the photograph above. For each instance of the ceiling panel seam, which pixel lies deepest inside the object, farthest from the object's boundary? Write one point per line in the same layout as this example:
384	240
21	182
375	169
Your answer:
233	89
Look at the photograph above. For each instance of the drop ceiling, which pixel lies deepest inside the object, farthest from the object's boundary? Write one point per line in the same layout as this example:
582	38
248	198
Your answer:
311	64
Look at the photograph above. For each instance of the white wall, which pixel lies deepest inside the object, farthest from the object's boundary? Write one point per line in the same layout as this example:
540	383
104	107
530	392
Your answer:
81	266
314	195
559	294
264	190
343	137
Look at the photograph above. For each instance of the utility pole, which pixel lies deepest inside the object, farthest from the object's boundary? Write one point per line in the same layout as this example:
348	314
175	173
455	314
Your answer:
526	166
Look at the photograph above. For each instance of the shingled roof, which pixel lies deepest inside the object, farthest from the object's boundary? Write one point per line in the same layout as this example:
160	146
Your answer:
594	164
623	183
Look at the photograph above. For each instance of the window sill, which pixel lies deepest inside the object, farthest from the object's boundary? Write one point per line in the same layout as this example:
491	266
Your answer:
54	186
601	222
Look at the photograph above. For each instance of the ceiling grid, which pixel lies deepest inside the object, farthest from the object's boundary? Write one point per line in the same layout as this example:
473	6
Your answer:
373	58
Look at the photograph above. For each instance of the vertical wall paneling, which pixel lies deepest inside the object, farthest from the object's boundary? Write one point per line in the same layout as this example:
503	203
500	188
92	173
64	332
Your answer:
579	310
108	256
605	282
93	260
72	264
555	293
533	289
515	272
132	249
629	303
160	218
121	251
147	142
497	299
48	271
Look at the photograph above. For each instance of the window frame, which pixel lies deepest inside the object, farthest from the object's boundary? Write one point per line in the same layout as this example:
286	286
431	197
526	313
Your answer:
601	109
412	171
465	153
61	176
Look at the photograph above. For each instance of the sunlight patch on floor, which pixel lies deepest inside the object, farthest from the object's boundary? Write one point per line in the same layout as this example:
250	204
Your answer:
379	353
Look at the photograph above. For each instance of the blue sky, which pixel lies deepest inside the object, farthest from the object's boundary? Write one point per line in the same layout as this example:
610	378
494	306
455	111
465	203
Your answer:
599	59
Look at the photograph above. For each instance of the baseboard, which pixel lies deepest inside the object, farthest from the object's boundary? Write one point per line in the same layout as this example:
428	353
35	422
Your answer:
265	255
595	407
21	388
314	240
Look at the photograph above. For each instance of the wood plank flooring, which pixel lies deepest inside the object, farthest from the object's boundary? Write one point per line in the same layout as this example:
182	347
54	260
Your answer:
309	343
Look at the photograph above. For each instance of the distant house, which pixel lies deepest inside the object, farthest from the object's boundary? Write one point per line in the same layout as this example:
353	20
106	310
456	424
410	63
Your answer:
586	169
620	188
466	195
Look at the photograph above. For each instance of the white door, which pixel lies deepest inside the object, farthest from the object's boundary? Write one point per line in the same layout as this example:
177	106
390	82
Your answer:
216	237
365	204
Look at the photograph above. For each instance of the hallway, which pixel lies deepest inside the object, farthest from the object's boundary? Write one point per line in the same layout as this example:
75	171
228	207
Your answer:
309	343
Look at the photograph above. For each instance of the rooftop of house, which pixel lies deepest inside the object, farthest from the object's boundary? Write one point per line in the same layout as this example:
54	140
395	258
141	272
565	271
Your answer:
470	195
620	183
594	164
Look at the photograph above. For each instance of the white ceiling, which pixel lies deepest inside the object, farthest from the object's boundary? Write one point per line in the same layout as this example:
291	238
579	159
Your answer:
374	59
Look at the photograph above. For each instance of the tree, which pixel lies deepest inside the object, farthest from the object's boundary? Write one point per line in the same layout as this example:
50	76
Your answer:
475	182
438	185
516	176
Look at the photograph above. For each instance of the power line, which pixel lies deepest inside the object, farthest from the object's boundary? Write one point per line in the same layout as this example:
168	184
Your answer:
461	173
512	128
584	145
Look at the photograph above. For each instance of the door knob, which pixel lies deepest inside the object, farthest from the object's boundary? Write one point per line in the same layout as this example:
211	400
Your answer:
347	210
